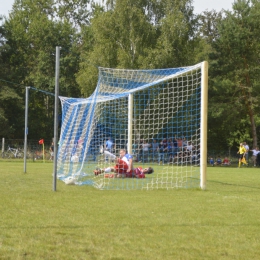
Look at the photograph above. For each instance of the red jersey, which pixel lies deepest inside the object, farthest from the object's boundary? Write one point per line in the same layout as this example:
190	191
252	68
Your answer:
225	161
121	166
138	172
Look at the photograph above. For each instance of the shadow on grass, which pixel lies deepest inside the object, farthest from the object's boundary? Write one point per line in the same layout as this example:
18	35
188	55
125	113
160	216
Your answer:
233	184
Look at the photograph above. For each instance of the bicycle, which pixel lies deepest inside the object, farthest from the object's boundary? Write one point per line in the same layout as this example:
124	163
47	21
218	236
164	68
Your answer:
14	153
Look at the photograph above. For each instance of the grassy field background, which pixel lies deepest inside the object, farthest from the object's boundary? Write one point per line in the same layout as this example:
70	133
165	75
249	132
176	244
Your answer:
80	222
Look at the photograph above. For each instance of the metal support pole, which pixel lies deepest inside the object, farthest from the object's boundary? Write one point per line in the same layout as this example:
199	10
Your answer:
26	126
56	111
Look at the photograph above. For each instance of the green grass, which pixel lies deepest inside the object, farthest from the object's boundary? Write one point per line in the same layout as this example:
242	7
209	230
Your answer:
80	222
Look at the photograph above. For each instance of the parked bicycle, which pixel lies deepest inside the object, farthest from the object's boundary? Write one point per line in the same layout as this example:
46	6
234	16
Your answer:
14	153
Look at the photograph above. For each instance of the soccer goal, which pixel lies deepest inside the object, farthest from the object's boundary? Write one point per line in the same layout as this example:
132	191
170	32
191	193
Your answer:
159	116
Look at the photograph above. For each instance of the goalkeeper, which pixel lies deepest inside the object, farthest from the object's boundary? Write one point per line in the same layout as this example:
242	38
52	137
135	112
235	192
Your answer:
124	167
241	152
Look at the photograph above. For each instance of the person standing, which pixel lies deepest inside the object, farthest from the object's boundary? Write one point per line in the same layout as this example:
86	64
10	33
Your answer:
255	153
145	147
162	150
109	146
247	150
241	152
52	151
175	145
155	146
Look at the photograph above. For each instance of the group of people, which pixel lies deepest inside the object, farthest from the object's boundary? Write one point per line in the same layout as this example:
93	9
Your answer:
243	159
219	161
243	152
167	150
164	151
124	167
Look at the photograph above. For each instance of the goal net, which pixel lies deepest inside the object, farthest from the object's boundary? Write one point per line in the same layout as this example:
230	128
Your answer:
158	116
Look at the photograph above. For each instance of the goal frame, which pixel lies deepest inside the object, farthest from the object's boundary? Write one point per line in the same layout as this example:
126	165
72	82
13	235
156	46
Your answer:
203	122
85	114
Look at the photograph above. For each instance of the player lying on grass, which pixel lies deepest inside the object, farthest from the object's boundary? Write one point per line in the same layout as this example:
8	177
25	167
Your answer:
138	172
124	167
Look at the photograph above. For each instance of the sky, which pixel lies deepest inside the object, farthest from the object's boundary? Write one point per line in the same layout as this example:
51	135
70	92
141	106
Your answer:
199	5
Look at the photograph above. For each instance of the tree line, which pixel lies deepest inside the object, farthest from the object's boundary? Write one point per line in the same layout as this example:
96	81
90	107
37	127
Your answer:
133	34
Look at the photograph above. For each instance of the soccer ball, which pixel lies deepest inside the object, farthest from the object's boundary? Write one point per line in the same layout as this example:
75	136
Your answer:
70	181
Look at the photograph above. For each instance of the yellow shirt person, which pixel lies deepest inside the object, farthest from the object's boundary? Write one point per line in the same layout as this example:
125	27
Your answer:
241	152
242	149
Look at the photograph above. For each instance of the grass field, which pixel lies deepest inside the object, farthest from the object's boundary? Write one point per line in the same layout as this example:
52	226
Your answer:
80	222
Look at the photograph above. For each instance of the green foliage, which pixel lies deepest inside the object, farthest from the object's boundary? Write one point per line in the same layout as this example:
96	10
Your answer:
175	40
121	34
10	112
140	34
31	34
235	72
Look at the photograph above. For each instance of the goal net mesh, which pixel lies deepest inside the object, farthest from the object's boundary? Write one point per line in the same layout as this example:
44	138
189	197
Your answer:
165	128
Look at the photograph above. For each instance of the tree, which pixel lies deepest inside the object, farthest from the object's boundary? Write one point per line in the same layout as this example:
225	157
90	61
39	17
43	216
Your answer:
206	33
235	70
176	36
31	34
137	34
11	103
118	37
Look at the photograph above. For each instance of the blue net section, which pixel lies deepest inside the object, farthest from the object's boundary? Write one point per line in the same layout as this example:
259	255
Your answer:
165	129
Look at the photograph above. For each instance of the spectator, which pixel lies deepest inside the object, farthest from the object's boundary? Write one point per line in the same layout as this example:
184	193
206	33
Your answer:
162	150
135	150
140	151
170	151
109	146
184	142
254	156
226	162
180	157
258	159
189	146
145	147
155	146
218	161
52	151
175	145
194	157
247	150
211	161
179	141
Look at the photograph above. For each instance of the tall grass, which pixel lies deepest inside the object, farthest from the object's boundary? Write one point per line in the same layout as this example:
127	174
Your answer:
80	222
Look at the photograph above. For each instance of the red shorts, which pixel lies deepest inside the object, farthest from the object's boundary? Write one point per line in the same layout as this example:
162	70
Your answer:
121	166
